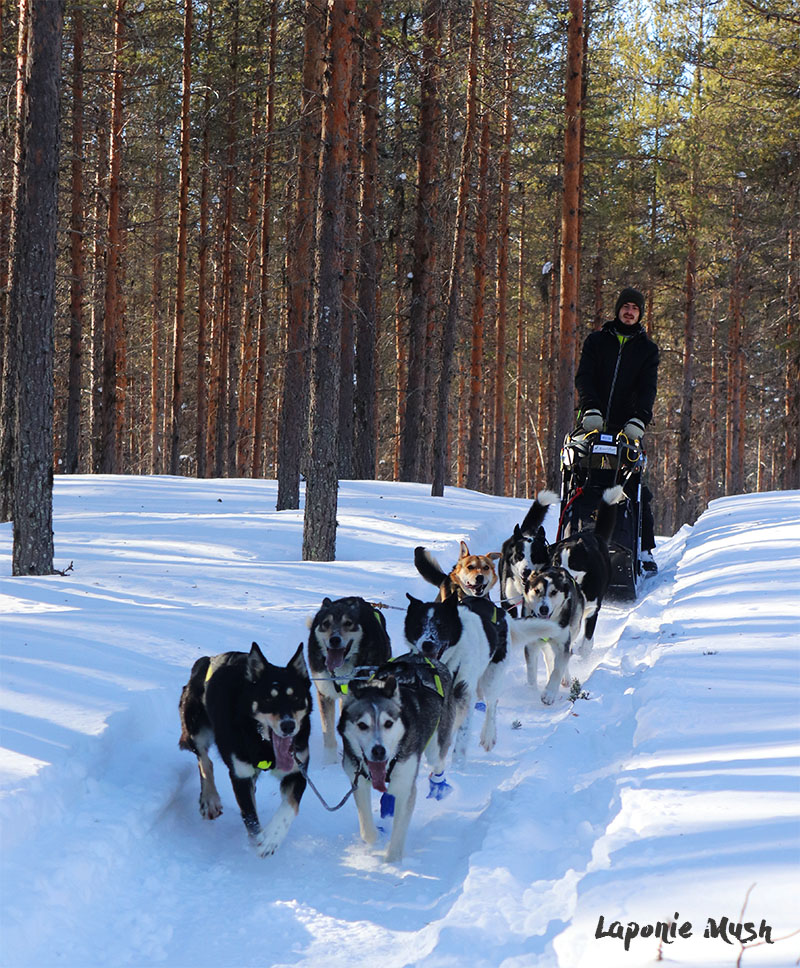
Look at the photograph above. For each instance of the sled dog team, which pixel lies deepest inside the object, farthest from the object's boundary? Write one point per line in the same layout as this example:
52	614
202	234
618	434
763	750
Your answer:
394	709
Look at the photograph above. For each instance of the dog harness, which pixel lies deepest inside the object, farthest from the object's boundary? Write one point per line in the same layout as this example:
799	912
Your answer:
344	687
262	765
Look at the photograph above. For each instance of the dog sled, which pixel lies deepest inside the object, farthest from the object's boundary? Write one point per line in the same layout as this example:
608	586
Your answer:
591	462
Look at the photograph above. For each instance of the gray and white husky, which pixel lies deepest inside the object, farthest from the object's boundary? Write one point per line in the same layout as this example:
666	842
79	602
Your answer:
386	724
551	595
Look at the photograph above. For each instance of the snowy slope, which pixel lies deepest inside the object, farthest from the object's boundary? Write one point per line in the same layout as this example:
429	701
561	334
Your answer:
673	788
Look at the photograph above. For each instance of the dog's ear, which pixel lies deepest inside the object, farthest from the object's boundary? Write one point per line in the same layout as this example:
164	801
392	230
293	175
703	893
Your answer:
464	550
256	663
412	600
494	555
541	532
298	663
326	602
517	532
389	686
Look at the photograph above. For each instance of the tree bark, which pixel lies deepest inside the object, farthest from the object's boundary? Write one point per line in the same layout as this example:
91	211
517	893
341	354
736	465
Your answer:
424	247
113	332
570	226
33	292
367	315
300	265
201	430
454	283
183	246
499	463
259	419
77	256
319	522
8	417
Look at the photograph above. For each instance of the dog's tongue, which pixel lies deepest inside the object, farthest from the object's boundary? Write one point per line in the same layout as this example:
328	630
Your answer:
377	773
283	752
335	659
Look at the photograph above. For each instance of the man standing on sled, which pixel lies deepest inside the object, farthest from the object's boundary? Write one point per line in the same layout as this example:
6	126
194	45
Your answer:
616	381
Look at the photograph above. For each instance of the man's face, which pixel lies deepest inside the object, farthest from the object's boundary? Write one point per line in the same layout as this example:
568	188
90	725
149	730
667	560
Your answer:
629	313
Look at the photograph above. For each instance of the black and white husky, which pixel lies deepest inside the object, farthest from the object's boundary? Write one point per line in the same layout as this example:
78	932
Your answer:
346	635
524	552
585	556
551	595
257	713
470	638
386	724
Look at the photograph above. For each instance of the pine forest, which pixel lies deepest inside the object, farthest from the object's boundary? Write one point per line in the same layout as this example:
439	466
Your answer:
334	239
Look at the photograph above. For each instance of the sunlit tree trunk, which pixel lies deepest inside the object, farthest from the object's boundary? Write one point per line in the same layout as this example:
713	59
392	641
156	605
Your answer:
454	283
424	245
77	257
113	329
570	226
370	248
319	522
33	294
300	263
183	246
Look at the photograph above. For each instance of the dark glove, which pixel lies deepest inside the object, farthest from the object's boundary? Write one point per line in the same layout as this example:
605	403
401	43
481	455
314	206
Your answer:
592	420
633	429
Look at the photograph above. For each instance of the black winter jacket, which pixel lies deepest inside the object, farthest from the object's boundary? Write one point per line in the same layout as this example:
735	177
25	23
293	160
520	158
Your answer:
618	379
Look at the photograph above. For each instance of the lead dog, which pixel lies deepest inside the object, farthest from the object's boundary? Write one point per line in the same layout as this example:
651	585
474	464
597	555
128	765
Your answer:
524	552
258	715
386	723
471	576
346	635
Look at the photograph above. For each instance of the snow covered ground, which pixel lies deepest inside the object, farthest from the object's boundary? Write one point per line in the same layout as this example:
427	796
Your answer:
670	794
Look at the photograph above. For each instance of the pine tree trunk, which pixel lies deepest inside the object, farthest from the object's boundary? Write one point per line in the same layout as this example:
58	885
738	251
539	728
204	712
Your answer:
99	229
319	522
77	258
440	461
367	317
249	340
157	384
424	246
479	280
300	259
33	293
683	512
734	450
113	333
264	341
499	462
791	472
570	230
8	416
201	430
183	247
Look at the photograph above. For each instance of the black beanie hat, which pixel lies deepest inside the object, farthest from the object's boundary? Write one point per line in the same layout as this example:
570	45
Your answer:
629	295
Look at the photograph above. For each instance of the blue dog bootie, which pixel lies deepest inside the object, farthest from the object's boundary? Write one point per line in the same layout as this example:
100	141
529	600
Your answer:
439	787
480	705
387	805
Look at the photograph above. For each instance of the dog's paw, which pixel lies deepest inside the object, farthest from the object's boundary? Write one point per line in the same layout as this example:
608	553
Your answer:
330	754
439	787
269	838
548	697
210	808
488	740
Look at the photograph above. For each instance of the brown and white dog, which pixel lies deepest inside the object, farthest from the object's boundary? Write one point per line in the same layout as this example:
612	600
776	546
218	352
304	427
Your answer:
471	576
